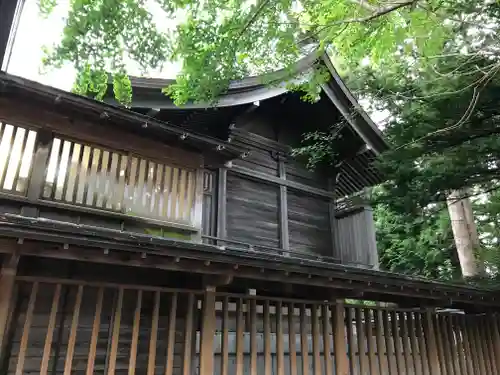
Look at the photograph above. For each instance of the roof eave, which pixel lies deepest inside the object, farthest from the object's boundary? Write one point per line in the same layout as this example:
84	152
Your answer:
90	106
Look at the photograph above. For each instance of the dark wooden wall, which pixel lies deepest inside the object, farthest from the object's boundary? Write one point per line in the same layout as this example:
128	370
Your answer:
252	211
272	200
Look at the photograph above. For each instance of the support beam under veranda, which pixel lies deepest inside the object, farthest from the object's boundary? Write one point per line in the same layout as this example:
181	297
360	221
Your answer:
8	272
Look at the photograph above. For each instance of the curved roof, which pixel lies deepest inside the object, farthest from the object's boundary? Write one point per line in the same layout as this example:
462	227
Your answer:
147	94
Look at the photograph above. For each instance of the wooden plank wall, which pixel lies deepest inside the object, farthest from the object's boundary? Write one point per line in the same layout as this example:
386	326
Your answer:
69	327
252	211
309	223
353	248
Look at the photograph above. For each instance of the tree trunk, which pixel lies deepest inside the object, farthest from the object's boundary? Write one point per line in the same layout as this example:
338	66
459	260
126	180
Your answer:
465	233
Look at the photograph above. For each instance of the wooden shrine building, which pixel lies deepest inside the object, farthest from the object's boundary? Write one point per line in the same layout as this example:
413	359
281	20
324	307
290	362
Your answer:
180	241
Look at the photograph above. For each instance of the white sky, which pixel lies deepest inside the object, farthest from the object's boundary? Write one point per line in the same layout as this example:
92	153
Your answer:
34	32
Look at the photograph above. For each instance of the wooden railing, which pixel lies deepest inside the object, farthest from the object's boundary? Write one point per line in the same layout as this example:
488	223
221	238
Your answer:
73	326
100	178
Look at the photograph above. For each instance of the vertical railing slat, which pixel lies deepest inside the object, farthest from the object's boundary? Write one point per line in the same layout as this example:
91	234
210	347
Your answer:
443	363
370	341
430	338
68	365
239	337
471	360
50	331
495	331
412	331
280	355
154	334
26	330
188	336
292	339
360	332
477	343
326	339
172	317
174	193
396	335
489	328
446	343
405	339
304	347
315	340
135	334
350	341
182	193
453	342
115	338
225	337
460	345
95	332
20	148
253	337
6	146
422	345
381	349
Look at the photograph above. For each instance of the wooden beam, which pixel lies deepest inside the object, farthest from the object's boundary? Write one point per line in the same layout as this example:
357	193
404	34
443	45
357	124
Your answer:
259	176
208	327
7	282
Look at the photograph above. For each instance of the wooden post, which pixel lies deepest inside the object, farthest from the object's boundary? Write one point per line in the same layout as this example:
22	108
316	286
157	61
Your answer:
430	339
336	253
283	214
7	281
40	163
208	332
339	343
221	202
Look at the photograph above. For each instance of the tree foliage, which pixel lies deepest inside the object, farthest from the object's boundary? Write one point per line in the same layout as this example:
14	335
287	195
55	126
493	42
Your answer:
219	40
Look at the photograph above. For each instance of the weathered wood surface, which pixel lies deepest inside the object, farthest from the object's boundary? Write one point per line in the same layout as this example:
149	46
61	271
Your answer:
355	239
252	211
309	224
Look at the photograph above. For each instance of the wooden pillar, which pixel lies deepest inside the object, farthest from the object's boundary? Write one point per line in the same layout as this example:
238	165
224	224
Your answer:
283	214
336	253
339	343
221	202
430	339
40	163
208	326
7	281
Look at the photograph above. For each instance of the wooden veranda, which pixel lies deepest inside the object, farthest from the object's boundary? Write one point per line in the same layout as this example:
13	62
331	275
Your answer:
63	326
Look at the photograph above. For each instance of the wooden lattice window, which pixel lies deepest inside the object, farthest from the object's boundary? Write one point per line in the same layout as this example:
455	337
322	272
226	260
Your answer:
106	179
16	156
